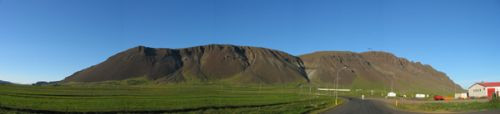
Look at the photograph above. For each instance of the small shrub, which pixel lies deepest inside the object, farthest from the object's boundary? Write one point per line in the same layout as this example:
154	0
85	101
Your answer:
494	98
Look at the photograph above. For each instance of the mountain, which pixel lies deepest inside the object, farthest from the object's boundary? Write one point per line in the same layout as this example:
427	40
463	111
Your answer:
228	63
375	70
244	64
4	82
46	83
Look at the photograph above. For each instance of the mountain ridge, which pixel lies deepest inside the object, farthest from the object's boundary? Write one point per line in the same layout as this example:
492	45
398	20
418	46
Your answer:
247	64
375	69
199	63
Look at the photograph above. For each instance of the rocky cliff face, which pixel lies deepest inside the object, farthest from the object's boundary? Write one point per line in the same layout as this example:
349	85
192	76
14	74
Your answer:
240	64
375	70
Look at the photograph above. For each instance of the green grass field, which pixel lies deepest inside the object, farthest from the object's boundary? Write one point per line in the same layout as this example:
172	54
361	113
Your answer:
451	106
178	98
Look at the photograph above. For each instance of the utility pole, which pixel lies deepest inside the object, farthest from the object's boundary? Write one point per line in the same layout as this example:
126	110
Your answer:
337	85
392	82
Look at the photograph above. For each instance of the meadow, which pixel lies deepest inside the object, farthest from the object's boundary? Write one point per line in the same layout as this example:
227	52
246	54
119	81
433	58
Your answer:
167	98
451	106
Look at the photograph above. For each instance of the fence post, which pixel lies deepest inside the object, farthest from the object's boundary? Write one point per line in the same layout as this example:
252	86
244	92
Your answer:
396	103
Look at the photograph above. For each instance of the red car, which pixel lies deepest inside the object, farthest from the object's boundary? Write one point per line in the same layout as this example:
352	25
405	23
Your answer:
438	98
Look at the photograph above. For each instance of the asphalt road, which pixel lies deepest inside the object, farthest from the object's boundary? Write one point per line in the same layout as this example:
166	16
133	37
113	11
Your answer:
358	106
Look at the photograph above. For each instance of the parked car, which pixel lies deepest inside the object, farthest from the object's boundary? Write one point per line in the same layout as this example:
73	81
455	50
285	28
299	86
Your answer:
438	98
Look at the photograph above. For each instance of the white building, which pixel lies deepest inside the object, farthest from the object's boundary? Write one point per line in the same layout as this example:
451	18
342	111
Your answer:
460	95
484	89
420	96
391	94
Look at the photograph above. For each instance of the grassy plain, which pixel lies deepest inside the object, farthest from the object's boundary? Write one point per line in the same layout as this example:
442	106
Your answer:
451	106
164	98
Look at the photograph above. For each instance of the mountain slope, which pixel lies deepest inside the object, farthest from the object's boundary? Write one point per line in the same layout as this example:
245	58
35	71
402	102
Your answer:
375	70
243	64
238	64
4	82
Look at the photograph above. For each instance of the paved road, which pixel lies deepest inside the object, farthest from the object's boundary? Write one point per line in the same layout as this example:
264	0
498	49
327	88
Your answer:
358	106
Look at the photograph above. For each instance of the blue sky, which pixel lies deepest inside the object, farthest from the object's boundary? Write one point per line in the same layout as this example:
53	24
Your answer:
51	39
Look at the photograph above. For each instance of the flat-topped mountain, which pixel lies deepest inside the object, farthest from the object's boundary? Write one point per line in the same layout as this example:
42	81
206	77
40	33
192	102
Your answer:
375	70
238	64
245	64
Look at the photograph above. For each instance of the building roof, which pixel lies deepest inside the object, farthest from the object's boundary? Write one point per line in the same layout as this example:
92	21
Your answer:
490	84
487	84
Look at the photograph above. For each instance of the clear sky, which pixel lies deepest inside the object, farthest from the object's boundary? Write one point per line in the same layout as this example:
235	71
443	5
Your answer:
51	39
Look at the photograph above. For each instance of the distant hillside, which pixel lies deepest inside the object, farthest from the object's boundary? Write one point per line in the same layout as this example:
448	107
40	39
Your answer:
229	63
45	83
4	82
375	70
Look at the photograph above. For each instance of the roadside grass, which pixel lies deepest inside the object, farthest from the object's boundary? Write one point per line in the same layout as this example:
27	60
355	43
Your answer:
314	106
450	106
188	98
8	112
328	106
